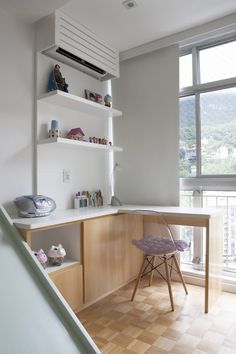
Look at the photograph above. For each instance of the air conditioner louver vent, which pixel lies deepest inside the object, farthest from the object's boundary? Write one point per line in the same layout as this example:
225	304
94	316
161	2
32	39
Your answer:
80	61
74	44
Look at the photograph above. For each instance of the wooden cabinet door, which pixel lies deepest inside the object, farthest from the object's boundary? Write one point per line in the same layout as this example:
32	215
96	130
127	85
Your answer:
109	258
69	282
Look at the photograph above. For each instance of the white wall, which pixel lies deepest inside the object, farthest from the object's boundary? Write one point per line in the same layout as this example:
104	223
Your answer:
147	93
16	108
88	169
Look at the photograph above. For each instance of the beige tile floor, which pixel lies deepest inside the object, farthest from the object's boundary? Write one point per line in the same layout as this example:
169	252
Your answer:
147	325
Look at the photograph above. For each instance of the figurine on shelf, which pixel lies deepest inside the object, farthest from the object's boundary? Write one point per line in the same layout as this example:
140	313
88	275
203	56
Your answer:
108	100
54	132
93	96
56	255
76	134
56	81
41	257
102	141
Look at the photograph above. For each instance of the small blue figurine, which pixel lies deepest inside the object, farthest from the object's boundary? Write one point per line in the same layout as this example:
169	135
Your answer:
56	81
108	100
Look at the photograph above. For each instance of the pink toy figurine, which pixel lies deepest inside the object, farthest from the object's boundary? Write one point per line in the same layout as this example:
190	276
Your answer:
76	134
42	258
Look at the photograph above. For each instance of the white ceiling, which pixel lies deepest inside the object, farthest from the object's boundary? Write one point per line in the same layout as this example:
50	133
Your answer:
125	29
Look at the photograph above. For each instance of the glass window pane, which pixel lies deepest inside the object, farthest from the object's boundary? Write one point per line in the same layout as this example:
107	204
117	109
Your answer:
185	71
187	141
226	201
187	232
218	63
218	132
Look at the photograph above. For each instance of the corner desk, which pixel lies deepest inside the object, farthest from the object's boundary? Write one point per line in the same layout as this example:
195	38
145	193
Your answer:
102	256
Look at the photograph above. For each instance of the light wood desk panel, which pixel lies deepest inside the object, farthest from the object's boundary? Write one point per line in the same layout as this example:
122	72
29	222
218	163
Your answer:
212	221
109	258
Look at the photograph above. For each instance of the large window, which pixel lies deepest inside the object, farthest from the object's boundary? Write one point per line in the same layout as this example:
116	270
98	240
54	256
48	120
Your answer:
207	143
208	111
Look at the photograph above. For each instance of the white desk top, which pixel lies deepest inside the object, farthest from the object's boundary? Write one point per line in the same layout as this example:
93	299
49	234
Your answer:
73	215
64	216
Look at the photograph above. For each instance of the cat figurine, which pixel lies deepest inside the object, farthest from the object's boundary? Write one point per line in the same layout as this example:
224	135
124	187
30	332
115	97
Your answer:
56	255
41	257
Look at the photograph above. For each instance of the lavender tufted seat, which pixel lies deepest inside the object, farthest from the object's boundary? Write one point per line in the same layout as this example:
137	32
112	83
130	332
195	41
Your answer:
159	246
162	246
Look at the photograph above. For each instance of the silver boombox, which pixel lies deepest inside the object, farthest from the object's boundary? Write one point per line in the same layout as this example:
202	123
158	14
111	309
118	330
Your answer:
30	206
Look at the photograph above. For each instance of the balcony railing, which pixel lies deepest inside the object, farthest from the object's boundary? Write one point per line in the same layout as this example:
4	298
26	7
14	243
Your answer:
226	201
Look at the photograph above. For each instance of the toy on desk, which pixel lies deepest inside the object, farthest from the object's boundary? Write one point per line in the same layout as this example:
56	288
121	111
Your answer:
76	134
54	132
87	199
108	100
99	198
56	81
82	200
56	255
41	257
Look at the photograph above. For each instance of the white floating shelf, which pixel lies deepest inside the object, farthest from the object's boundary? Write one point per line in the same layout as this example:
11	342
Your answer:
80	104
65	264
78	144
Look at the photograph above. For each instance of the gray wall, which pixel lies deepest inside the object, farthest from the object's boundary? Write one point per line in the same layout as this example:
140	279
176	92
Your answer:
16	108
147	93
17	124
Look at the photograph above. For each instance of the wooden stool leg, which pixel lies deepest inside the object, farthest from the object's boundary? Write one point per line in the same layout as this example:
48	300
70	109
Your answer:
139	277
180	273
169	285
153	262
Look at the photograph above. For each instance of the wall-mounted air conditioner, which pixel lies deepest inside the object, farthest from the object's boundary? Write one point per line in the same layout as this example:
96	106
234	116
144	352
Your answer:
63	38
